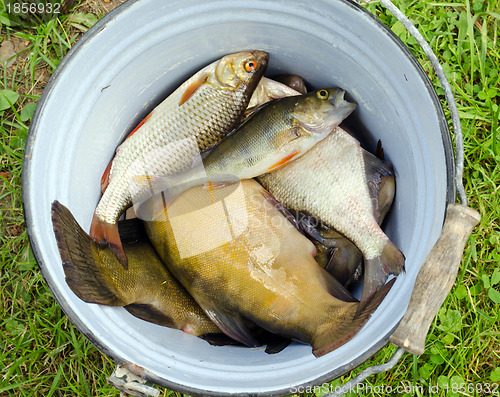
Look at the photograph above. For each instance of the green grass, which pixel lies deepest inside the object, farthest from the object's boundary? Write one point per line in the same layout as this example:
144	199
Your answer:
41	353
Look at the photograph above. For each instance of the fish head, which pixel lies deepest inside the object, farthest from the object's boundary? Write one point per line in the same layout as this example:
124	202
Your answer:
312	117
241	69
321	111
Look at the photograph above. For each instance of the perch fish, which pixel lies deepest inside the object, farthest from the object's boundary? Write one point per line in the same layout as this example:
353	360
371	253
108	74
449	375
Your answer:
277	133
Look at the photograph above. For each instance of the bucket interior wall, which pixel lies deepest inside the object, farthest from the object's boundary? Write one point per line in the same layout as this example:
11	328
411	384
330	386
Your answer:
139	54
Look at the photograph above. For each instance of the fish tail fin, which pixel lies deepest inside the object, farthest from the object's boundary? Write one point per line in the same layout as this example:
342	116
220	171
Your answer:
376	170
338	334
83	272
104	233
386	193
376	270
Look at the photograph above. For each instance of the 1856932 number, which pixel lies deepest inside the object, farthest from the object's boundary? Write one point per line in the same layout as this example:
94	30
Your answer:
45	7
35	12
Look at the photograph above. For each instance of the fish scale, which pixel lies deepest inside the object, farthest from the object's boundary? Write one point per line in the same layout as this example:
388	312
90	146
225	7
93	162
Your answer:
194	117
252	270
329	182
212	117
350	202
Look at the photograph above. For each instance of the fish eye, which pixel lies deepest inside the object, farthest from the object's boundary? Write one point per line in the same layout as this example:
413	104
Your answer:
251	65
322	94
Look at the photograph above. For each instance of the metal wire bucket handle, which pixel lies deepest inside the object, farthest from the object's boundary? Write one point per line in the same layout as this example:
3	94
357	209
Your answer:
439	271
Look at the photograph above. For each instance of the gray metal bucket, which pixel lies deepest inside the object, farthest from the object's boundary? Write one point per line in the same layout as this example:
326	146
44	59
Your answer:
142	51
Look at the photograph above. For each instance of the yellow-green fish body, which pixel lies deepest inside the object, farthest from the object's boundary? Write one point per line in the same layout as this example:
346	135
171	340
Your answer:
146	289
244	263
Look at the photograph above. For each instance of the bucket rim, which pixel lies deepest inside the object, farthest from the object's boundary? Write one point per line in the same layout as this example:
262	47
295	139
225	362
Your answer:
68	311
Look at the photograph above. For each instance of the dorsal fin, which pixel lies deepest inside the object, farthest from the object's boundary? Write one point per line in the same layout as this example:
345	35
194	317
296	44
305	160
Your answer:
192	88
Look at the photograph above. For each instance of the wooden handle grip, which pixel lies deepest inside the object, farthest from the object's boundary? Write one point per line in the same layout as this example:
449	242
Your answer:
435	278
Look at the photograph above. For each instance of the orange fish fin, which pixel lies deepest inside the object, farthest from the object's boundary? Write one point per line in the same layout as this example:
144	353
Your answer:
104	233
105	177
139	125
283	162
216	185
192	88
338	334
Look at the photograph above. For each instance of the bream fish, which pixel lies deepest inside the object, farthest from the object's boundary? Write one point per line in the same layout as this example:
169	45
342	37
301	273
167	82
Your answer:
193	118
244	263
330	183
337	254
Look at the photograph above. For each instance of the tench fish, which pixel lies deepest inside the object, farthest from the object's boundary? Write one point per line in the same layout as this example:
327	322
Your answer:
330	182
193	118
277	133
146	289
244	263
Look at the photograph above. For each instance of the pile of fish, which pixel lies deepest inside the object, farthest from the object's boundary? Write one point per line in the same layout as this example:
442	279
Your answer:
255	211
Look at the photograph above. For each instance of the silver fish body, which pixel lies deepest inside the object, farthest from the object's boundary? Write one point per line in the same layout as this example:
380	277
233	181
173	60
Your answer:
276	134
329	183
194	117
337	254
